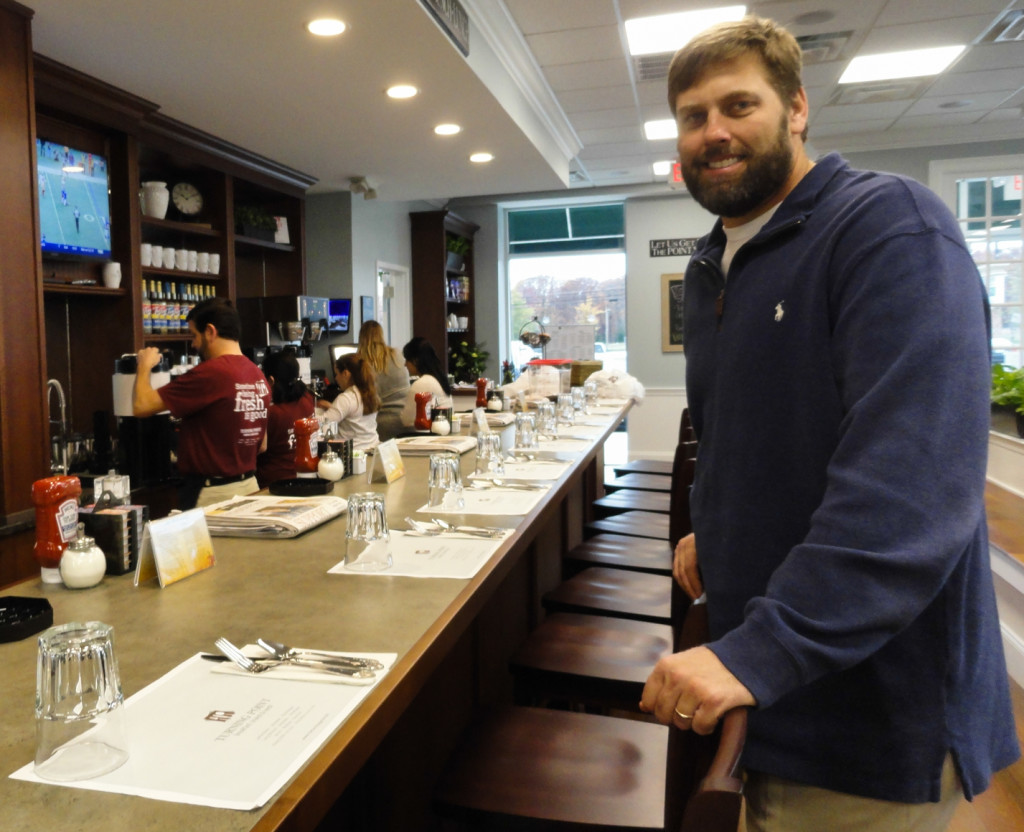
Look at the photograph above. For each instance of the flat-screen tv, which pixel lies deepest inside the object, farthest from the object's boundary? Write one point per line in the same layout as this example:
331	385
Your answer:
339	315
74	207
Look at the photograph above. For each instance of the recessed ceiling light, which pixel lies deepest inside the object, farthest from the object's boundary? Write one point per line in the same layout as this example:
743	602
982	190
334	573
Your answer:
669	32
912	63
402	91
480	158
447	129
326	27
662	128
662	168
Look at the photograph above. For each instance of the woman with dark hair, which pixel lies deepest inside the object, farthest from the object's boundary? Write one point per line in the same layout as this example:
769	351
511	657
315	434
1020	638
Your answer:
422	361
355	410
391	376
291	401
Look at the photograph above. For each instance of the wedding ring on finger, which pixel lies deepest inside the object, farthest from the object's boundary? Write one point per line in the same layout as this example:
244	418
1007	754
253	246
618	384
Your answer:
681	715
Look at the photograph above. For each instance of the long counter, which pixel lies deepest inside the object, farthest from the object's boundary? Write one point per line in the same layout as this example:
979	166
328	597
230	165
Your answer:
452	637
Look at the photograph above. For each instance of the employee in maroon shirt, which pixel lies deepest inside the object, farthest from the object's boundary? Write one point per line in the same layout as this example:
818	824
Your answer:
222	405
291	401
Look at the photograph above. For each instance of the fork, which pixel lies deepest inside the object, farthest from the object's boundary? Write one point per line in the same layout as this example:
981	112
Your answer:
259	665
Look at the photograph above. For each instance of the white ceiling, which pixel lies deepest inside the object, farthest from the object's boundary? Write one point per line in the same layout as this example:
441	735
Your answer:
548	87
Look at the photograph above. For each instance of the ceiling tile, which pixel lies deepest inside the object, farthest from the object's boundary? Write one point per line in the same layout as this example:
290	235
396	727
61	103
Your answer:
603	151
536	16
963	83
576	45
933	121
914	11
1005	114
843	128
595	119
845	114
588	75
574	101
986	56
978	101
947	32
629	133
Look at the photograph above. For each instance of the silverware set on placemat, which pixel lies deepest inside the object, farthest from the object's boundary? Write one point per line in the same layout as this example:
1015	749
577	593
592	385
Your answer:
281	654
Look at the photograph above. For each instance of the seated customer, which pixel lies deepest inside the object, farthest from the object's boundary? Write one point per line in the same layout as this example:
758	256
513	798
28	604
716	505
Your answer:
422	361
355	410
291	401
392	378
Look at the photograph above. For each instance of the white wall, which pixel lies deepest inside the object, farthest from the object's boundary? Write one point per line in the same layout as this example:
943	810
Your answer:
653	426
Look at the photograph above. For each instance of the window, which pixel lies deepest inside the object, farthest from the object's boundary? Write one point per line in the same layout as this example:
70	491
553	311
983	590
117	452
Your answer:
985	195
567	268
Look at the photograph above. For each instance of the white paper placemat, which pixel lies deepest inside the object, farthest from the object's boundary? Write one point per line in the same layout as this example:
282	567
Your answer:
568	447
216	739
492	501
581	431
536	471
421	556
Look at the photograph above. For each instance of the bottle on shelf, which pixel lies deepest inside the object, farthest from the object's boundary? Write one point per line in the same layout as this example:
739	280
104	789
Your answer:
147	309
172	309
159	308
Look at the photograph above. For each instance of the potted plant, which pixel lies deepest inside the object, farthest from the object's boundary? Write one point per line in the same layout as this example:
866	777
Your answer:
253	221
467	362
1008	391
458	248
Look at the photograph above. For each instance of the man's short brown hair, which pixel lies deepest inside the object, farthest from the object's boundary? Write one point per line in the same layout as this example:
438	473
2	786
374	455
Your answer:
775	46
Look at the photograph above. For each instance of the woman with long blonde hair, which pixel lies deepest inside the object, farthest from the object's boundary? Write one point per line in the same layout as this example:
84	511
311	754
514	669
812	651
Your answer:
391	376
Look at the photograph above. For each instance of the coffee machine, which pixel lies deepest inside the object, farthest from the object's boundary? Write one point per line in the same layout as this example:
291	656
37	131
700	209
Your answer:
283	319
144	446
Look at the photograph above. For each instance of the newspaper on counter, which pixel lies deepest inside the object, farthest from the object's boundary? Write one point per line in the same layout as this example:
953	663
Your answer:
260	516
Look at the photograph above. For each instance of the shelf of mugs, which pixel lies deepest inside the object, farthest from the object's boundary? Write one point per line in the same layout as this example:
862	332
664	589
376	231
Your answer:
178	274
164	259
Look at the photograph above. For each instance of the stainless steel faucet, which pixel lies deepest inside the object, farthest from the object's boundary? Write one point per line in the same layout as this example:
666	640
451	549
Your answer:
58	444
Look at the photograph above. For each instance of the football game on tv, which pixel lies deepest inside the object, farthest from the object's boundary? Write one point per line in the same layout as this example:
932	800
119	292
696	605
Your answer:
74	209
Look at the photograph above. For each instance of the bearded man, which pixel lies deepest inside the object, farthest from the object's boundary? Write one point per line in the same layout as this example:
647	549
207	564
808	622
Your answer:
836	335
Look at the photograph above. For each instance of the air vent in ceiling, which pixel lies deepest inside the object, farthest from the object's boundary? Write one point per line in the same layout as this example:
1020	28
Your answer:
877	92
818	49
1007	29
652	67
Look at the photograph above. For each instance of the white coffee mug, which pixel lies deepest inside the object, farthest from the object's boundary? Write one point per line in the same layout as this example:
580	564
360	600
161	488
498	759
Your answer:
158	256
181	259
168	257
146	254
112	275
193	261
203	262
214	264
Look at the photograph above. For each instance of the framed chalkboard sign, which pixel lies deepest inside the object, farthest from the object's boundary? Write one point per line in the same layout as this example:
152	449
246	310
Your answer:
672	313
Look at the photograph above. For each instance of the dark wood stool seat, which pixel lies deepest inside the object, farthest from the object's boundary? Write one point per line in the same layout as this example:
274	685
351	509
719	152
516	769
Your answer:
620	551
545	770
639	482
661	467
620	593
601	661
632	523
629	500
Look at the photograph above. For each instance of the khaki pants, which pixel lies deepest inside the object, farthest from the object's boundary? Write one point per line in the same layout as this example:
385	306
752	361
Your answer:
777	805
215	493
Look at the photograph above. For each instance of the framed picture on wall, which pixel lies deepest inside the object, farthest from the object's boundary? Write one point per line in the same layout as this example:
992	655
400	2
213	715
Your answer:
366	309
672	313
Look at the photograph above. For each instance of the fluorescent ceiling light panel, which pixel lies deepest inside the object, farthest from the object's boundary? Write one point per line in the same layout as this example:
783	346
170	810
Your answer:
662	128
669	32
662	168
913	63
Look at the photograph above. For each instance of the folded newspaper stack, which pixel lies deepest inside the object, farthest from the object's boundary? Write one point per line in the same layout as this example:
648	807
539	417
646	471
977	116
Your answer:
271	516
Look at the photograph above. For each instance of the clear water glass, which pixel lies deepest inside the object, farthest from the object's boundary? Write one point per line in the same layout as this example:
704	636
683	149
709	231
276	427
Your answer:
547	427
590	393
579	400
444	482
367	537
80	730
526	432
489	457
565	413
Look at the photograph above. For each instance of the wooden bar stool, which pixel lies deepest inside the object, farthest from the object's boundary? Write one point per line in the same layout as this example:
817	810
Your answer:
534	769
639	482
661	467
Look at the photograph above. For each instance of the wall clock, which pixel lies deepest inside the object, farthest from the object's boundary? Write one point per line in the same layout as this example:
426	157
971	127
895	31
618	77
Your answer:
187	199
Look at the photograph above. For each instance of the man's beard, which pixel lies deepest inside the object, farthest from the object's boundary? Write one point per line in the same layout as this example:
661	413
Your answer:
765	176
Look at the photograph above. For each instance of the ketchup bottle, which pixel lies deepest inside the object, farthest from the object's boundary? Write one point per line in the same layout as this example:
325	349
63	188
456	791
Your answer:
423	401
307	455
481	392
56	502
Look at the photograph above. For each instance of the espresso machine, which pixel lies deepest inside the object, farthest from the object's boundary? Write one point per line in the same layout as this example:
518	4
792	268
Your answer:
283	319
144	446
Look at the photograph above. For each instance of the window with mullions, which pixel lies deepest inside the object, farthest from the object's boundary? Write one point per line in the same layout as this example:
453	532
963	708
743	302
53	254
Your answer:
985	195
567	267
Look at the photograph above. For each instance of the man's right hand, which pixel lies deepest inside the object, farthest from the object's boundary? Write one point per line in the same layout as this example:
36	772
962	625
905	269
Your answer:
146	359
684	567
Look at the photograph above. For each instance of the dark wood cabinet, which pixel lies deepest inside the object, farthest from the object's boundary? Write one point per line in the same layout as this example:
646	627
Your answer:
442	287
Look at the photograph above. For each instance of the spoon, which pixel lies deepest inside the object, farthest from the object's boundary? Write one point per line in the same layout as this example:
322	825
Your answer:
497	482
471	530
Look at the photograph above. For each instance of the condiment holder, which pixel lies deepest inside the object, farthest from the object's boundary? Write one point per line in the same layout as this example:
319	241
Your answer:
83	564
